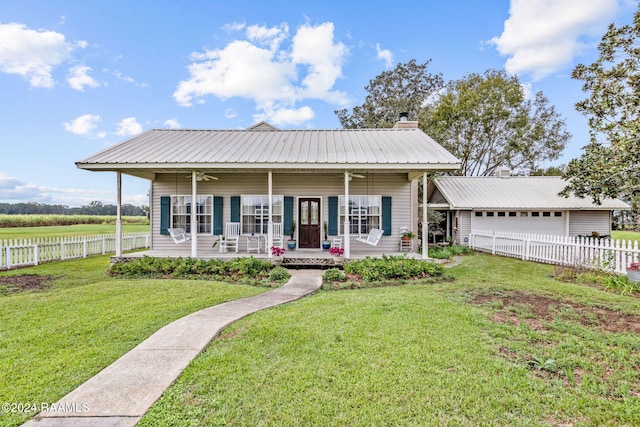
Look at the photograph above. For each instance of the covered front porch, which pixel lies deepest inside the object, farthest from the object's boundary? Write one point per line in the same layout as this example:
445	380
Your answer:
316	258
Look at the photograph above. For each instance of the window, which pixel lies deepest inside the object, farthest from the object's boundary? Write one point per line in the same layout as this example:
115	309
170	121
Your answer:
478	213
546	213
535	213
181	213
513	214
365	213
502	213
490	213
523	214
254	217
557	214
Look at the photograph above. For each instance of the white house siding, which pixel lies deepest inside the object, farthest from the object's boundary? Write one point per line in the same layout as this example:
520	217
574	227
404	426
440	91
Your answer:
463	223
586	222
287	184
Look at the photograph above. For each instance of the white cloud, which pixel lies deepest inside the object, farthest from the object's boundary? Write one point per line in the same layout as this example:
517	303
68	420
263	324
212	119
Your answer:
271	37
263	69
384	55
83	125
128	79
230	113
32	54
543	36
129	127
283	116
79	78
172	124
16	190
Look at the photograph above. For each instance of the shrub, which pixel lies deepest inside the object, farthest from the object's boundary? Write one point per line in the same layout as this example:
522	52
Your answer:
279	274
393	267
334	275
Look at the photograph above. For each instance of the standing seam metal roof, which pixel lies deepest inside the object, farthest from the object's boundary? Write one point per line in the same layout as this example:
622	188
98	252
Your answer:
360	147
515	192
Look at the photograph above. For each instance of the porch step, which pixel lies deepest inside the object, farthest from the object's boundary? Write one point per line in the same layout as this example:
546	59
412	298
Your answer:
307	262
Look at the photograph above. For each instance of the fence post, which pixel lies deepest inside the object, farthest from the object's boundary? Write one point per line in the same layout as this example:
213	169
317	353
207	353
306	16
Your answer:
84	247
493	243
35	254
8	257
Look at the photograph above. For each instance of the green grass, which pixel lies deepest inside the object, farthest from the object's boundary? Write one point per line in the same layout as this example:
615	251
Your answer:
68	230
626	235
418	355
54	220
52	341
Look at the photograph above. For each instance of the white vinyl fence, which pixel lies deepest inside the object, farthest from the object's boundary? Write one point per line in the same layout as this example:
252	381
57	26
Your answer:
604	254
23	252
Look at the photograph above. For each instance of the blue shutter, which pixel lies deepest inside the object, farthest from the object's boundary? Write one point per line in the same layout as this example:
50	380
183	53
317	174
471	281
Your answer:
235	208
288	215
333	215
165	212
386	215
217	214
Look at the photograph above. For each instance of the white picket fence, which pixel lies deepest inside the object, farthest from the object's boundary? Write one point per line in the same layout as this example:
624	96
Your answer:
24	252
604	254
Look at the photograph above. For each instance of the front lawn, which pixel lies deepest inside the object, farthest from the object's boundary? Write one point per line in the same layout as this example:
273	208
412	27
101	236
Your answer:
54	339
504	344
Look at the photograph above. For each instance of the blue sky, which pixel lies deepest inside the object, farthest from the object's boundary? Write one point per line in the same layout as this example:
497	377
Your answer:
79	76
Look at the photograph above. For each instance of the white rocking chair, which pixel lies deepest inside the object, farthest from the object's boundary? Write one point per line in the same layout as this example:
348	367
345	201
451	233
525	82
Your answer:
231	237
372	238
178	235
278	242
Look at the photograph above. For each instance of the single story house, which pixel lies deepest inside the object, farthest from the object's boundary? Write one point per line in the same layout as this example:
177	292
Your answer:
524	204
351	180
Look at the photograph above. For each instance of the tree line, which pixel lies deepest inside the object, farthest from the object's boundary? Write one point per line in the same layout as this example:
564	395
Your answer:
93	208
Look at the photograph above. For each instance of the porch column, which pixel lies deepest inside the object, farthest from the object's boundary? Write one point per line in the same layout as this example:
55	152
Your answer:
270	220
425	220
119	215
194	215
347	243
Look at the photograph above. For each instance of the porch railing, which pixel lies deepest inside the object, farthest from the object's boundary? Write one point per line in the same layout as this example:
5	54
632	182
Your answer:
25	252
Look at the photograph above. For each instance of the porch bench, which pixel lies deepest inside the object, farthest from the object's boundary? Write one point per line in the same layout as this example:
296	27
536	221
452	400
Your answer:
374	236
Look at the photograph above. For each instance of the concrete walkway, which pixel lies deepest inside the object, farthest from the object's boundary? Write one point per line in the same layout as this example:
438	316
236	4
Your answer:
122	393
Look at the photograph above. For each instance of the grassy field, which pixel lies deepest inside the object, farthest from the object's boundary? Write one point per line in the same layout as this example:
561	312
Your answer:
53	340
626	235
7	221
68	230
503	344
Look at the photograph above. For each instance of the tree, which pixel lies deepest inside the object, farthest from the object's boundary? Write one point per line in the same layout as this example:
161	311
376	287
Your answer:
487	122
609	165
403	89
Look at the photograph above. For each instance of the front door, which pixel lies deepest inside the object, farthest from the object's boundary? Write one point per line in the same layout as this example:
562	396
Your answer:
309	220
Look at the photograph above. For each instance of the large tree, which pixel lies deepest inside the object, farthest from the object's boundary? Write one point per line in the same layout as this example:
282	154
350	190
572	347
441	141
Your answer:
488	122
403	89
609	165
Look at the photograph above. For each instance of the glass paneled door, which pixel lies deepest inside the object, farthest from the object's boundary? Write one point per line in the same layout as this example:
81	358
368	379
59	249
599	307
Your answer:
309	222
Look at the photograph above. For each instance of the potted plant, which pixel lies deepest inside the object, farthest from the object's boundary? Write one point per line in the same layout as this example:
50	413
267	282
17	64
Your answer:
277	253
326	244
337	253
633	272
408	235
291	244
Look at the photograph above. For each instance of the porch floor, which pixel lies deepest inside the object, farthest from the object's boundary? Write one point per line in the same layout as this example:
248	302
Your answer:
301	257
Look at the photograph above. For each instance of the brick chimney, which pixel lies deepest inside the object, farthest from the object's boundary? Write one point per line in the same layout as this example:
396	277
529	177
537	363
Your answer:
404	122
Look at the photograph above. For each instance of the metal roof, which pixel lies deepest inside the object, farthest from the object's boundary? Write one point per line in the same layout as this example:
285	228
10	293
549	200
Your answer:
515	192
163	150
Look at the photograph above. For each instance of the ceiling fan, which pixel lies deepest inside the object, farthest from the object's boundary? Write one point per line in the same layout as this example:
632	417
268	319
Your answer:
202	176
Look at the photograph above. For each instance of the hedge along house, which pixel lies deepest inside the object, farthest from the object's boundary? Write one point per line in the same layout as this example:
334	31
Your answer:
523	204
354	180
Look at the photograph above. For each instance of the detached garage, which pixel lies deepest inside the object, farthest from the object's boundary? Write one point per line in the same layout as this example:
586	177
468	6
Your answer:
523	204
